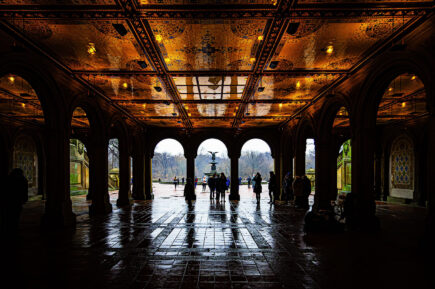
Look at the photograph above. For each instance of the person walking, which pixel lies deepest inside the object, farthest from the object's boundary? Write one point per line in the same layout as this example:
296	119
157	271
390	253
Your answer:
196	181
288	189
257	186
175	182
189	192
272	188
212	185
249	182
204	183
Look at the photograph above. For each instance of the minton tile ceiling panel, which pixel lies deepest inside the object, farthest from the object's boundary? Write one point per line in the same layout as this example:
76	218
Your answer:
332	44
213	44
136	87
246	123
86	45
79	119
151	109
19	100
292	88
199	123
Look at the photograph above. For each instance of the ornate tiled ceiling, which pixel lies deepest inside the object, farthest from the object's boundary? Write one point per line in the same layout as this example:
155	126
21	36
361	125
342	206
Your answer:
210	63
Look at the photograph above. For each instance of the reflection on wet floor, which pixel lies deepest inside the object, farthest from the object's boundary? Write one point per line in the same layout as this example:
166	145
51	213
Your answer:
161	244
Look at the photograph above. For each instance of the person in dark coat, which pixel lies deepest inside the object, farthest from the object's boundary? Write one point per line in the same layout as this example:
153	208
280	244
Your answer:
272	188
189	192
221	186
212	185
298	191
249	182
287	184
257	187
15	196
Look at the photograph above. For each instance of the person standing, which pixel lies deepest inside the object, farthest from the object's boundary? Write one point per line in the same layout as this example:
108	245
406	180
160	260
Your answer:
175	182
196	181
212	185
204	183
221	187
13	199
189	192
306	191
272	188
287	185
257	186
298	191
249	182
182	181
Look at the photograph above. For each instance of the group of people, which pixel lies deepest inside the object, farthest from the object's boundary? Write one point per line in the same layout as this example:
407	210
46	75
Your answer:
218	185
14	196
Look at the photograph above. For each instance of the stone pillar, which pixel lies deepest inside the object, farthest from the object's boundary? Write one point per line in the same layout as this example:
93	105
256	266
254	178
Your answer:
325	167
429	237
124	175
286	162
148	176
377	176
138	174
99	169
277	170
300	158
362	179
58	208
234	185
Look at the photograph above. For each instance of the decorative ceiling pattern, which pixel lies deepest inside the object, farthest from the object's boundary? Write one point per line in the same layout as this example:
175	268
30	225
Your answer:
19	101
210	63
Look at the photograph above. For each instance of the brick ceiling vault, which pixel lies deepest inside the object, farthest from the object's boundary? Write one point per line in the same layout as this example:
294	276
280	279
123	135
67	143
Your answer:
138	18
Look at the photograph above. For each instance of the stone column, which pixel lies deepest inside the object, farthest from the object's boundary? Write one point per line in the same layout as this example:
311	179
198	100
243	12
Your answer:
362	179
138	174
300	158
234	185
148	176
99	169
124	175
277	170
58	208
190	166
325	167
429	236
377	176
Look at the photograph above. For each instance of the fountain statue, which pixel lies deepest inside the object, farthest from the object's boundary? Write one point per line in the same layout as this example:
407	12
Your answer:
213	164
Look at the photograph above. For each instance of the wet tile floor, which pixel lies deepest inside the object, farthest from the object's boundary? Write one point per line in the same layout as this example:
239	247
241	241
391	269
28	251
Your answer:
161	244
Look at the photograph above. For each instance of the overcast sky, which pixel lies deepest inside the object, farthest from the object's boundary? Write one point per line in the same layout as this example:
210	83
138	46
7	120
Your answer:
173	147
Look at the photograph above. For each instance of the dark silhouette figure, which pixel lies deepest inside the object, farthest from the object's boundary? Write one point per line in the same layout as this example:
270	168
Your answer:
182	181
175	183
189	192
249	182
257	186
221	186
212	185
13	199
306	191
298	191
287	184
272	188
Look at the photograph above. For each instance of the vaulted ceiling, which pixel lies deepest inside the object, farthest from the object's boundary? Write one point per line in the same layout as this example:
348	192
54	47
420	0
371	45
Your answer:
210	63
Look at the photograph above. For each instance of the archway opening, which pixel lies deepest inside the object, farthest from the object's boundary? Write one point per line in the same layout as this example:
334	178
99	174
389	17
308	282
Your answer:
79	160
168	169
341	132
402	109
310	162
113	165
20	105
255	156
212	158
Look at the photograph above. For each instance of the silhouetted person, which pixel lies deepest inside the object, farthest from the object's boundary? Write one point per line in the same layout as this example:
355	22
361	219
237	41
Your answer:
249	182
257	187
182	181
204	183
212	185
13	199
221	185
272	188
175	183
287	184
189	192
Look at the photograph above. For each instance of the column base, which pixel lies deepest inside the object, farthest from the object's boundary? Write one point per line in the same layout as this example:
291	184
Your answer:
100	209
149	197
55	220
88	197
123	202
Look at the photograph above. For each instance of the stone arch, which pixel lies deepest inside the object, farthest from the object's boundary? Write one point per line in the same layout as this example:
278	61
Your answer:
266	137
198	139
402	167
93	114
155	141
329	112
49	95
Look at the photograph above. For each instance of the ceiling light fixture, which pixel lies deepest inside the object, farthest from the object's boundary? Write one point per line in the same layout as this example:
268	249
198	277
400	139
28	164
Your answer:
260	38
252	59
120	29
403	104
11	79
125	85
91	48
167	59
413	77
159	38
329	49
298	84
